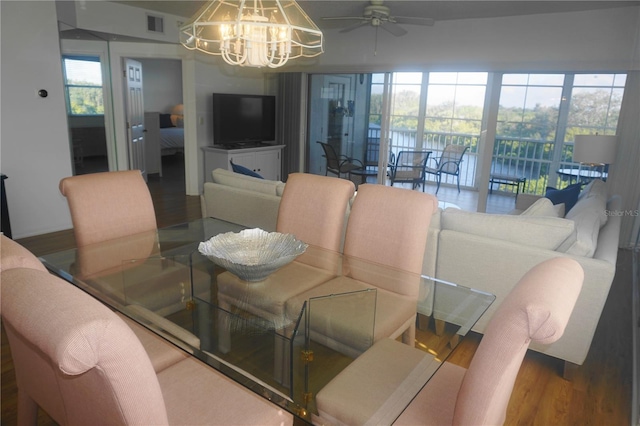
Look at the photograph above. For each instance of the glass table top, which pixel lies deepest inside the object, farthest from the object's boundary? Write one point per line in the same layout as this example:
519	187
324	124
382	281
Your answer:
287	355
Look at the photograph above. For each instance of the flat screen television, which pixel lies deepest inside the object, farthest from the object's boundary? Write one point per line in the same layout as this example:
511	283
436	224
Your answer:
241	120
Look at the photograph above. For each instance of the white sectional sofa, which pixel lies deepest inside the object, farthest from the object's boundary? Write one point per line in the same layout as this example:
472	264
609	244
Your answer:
487	252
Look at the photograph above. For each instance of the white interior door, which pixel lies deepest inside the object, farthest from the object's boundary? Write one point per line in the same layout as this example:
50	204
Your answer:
135	115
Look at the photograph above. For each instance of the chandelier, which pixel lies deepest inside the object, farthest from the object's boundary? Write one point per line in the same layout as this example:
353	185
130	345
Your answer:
253	33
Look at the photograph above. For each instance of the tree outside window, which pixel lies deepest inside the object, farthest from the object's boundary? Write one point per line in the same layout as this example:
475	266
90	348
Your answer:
83	84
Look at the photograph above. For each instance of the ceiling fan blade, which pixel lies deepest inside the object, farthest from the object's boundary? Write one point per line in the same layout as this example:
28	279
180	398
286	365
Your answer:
410	20
354	26
394	28
344	18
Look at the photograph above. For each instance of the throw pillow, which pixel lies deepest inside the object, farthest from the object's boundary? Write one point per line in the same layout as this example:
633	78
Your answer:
243	170
567	196
165	121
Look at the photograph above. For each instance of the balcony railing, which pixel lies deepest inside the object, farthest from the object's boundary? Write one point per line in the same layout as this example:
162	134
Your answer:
529	158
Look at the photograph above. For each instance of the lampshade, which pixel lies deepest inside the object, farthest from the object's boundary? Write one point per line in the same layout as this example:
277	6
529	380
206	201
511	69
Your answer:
253	33
595	149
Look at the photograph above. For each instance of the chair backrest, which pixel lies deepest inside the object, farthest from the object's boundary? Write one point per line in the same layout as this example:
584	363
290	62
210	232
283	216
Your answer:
108	205
74	357
537	309
389	225
314	208
451	158
13	255
333	162
410	164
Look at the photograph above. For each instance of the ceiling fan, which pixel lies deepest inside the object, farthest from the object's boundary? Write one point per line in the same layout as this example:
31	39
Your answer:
379	16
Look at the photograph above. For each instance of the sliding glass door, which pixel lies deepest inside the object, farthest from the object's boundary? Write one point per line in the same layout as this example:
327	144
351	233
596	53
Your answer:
362	115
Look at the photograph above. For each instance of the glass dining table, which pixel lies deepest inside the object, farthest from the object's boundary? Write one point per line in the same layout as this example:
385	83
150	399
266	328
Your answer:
160	280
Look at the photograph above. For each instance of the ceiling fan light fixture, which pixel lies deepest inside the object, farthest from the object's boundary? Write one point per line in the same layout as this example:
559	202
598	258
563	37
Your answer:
253	33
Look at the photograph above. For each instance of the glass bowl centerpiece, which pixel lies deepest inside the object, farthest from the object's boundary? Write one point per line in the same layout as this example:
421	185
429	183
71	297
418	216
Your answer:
252	254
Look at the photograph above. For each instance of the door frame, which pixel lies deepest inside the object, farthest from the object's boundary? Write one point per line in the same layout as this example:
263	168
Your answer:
119	51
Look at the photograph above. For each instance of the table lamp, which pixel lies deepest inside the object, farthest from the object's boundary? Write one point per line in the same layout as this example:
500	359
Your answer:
595	151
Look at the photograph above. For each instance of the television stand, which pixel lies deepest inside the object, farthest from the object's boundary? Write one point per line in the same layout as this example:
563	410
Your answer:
264	159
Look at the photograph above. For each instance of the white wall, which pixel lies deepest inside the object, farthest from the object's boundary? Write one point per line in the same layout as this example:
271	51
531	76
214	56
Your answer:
162	84
594	40
35	152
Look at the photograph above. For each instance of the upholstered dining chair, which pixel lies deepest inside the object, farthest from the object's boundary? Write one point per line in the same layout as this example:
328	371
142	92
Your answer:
108	205
111	205
537	309
313	209
448	163
387	226
79	362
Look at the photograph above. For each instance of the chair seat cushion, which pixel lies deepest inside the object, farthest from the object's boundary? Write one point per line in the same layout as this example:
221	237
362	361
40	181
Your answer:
368	392
196	394
267	298
347	320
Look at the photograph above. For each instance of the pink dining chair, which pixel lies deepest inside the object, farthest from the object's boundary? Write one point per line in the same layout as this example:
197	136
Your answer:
538	310
14	255
387	226
79	362
108	205
313	209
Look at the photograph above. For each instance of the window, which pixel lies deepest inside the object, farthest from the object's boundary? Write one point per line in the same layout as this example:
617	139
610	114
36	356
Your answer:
595	104
83	85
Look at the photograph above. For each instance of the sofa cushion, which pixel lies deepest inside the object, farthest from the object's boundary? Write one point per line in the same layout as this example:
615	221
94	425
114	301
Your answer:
237	180
567	196
535	231
544	207
589	214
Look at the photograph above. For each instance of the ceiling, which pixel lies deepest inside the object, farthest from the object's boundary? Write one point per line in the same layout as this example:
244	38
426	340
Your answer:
438	10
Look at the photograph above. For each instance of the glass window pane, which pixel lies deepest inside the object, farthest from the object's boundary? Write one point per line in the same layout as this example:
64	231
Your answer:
516	79
546	79
377	78
470	95
440	101
443	77
437	125
620	80
472	78
543	96
407	78
511	103
594	80
81	72
86	100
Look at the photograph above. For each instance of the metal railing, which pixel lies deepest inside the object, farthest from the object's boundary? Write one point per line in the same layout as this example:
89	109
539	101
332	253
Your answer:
528	158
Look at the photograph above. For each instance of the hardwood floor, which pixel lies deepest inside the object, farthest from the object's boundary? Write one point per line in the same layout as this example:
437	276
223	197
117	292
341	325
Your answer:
600	394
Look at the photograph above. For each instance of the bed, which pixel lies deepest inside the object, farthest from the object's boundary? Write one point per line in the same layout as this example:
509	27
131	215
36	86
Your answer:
164	136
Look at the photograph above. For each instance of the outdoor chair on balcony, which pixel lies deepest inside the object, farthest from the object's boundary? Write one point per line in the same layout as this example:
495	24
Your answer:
339	165
448	163
410	167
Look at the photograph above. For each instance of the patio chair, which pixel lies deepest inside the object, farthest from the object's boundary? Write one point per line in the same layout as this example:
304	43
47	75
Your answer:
339	164
448	163
410	167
